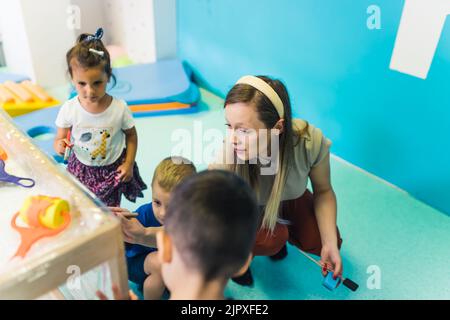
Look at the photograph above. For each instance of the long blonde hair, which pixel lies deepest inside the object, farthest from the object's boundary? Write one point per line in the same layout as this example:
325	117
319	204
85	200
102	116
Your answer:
244	93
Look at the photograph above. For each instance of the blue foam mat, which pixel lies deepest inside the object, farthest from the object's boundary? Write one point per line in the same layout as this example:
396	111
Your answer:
38	123
159	82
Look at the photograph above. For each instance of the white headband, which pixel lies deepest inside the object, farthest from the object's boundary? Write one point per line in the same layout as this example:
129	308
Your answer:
266	89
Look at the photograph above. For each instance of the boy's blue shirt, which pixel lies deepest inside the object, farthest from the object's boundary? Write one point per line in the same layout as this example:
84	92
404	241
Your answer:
147	218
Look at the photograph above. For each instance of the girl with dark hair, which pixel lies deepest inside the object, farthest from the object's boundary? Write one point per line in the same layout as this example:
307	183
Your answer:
102	127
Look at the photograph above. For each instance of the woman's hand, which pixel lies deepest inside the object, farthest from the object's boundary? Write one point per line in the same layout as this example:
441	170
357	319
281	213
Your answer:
331	259
133	231
125	172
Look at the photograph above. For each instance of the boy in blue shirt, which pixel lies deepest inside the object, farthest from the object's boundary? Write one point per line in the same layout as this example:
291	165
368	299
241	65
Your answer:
140	228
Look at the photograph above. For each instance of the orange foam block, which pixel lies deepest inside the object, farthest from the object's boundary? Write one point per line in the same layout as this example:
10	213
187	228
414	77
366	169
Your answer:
158	107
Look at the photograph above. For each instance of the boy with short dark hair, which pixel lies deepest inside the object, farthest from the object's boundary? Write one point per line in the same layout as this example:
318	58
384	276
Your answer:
210	229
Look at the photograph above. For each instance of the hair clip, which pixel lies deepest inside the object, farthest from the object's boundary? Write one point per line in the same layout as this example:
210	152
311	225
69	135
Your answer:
97	36
100	53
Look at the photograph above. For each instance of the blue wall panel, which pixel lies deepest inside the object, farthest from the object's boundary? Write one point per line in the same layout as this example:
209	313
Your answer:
337	71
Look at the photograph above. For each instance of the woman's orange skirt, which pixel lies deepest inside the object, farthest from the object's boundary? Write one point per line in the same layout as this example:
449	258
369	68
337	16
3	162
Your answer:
303	231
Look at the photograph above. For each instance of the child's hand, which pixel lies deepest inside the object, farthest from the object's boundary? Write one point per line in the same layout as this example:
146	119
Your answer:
61	144
133	231
117	295
122	212
125	172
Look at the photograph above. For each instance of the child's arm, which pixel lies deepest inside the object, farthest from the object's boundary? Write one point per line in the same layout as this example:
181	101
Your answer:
124	212
133	231
60	142
148	239
131	142
125	170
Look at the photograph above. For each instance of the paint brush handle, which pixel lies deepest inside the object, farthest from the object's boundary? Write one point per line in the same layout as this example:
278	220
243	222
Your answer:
67	149
345	281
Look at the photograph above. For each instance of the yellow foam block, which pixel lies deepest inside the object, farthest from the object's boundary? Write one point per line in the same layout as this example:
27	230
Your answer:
51	217
26	97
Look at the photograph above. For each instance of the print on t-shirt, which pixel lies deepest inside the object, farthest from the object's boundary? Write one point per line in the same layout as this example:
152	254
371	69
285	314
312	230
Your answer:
95	142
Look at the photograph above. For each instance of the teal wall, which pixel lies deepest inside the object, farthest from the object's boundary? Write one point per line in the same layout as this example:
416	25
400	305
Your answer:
337	71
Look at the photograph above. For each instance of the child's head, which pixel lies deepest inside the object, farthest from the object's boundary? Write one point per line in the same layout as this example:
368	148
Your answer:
89	66
210	229
168	174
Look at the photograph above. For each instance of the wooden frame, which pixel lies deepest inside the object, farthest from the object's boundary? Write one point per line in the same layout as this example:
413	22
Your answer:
43	272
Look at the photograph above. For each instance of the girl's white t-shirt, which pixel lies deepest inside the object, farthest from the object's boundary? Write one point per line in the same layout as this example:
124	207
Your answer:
98	139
